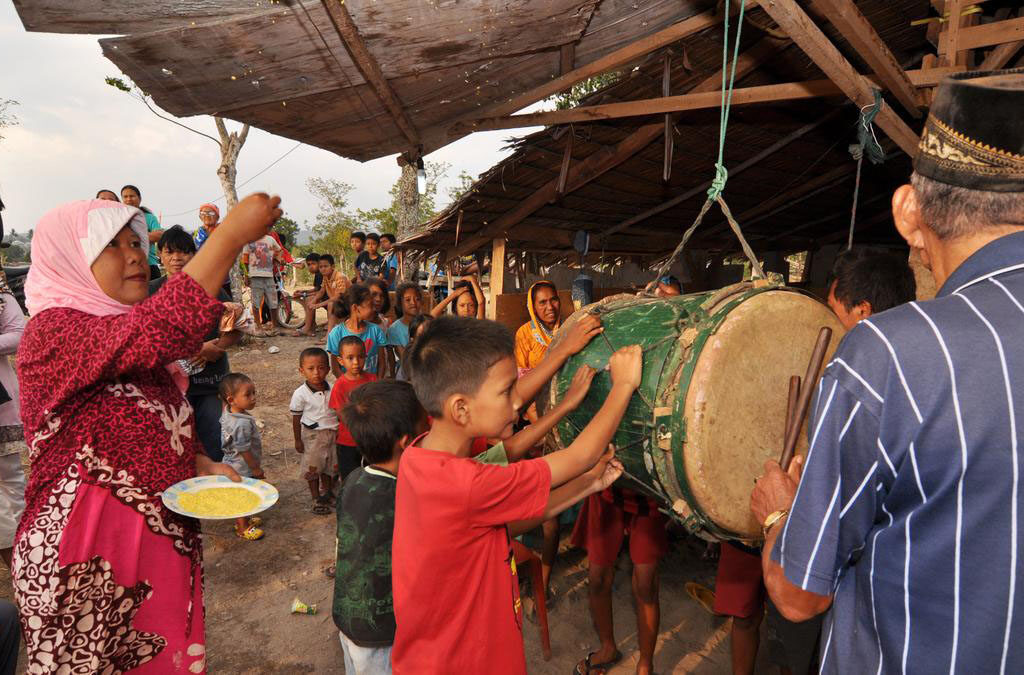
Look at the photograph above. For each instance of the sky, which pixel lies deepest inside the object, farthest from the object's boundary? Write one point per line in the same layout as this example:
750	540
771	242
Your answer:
76	135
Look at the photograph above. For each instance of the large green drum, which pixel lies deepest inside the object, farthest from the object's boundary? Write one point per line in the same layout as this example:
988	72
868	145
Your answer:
711	407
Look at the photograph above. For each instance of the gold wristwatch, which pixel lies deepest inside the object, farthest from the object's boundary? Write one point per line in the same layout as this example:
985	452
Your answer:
773	517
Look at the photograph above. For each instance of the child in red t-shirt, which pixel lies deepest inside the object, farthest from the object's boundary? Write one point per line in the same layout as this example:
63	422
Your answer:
456	594
352	355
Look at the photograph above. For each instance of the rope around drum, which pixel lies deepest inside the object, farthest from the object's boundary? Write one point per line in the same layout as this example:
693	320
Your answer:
721	173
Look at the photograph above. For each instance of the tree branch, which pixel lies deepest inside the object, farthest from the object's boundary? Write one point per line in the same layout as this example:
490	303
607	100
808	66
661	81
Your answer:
242	135
225	140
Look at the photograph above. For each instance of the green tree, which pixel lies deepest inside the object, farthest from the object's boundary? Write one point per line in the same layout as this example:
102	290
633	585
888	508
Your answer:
386	220
287	228
465	183
333	224
579	91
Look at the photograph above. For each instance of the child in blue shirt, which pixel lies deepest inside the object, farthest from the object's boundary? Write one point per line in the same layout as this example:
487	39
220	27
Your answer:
354	308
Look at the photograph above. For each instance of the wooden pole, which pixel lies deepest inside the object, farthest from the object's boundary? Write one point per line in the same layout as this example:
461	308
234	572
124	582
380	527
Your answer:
666	91
497	275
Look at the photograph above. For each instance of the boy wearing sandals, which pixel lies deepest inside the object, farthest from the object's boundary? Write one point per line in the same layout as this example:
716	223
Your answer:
315	425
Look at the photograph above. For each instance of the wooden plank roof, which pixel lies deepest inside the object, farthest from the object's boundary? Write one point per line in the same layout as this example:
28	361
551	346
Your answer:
280	64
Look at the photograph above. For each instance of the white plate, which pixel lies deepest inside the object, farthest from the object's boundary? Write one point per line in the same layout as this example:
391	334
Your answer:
265	491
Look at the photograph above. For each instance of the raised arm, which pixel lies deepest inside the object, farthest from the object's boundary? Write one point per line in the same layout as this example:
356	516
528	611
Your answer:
438	310
481	301
517	446
626	367
576	338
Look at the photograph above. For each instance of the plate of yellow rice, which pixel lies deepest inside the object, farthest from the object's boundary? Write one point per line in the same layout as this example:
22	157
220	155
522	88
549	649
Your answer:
219	497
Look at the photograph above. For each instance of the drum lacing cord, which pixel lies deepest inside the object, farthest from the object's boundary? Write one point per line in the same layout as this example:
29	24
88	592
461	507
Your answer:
721	174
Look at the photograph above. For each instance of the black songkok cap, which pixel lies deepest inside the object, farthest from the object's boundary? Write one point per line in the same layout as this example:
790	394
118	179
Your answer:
974	135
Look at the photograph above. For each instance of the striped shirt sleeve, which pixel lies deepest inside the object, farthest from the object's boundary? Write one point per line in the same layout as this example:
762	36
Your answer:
840	491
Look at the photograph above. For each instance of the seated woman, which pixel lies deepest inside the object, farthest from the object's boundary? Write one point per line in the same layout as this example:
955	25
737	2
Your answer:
106	577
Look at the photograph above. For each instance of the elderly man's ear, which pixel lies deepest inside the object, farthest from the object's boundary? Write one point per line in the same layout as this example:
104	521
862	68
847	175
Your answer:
906	212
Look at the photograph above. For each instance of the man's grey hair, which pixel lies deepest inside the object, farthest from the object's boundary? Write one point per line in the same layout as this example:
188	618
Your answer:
951	211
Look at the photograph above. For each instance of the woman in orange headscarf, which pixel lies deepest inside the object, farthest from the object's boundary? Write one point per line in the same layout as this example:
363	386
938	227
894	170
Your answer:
534	336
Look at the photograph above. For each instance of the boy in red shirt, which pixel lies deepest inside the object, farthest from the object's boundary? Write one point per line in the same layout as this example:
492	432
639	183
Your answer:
456	594
352	354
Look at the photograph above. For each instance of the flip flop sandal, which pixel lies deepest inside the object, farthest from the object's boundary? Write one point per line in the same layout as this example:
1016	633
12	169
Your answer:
251	533
585	667
321	508
704	596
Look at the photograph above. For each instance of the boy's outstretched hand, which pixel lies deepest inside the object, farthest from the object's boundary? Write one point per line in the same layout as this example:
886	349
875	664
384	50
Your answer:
252	218
627	366
579	387
581	333
605	472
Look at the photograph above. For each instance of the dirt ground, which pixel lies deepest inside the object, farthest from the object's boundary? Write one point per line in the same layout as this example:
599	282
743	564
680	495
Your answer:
250	585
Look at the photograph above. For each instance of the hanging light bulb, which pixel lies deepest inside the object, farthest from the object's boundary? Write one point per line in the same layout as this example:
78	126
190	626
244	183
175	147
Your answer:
421	176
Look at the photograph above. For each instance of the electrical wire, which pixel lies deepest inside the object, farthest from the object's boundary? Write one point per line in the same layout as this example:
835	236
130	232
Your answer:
242	184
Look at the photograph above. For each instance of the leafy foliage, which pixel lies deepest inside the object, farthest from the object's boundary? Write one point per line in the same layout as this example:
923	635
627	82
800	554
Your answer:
287	228
386	220
581	90
465	183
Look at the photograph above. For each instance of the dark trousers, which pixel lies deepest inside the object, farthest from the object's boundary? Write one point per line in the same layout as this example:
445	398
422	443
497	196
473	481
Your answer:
349	460
154	272
10	638
208	411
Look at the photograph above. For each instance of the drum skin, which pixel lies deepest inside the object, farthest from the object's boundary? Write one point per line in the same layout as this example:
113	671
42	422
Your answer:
711	406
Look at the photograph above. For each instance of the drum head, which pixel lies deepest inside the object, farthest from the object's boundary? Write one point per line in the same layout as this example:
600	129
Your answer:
736	401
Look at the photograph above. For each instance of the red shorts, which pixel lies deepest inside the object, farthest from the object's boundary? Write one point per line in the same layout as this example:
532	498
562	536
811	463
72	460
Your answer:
602	526
739	586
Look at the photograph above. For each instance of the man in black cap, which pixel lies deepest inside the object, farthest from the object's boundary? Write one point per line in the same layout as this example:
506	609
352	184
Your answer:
905	520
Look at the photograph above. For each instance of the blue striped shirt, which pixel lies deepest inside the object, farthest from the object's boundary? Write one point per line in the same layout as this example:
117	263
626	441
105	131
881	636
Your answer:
908	506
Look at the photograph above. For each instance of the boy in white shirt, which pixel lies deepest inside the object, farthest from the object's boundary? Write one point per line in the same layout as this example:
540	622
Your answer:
315	426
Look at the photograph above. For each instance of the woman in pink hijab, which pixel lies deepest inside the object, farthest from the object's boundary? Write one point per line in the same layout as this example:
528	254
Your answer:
107	579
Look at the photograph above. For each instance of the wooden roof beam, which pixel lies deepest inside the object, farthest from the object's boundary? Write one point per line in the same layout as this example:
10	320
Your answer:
608	62
770	93
580	174
989	34
740	168
368	66
795	22
858	31
608	158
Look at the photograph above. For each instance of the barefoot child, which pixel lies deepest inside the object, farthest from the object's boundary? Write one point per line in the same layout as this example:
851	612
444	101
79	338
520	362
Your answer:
353	358
315	425
454	579
240	439
383	417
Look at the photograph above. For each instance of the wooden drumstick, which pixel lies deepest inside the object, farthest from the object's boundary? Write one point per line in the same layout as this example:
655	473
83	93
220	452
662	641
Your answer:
794	392
804	400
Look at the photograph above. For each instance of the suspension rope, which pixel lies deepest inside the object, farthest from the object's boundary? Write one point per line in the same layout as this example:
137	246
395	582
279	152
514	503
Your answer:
867	144
721	173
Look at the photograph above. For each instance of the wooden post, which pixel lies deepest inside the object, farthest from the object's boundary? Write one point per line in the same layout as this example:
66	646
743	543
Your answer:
497	276
666	91
949	39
